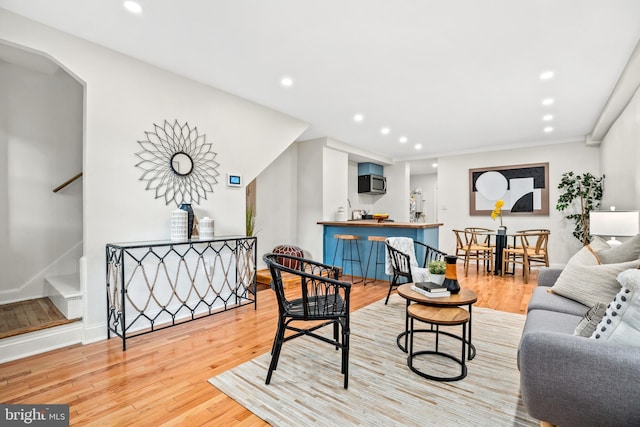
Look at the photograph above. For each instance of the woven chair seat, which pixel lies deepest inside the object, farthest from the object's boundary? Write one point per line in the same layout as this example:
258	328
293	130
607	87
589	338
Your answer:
325	306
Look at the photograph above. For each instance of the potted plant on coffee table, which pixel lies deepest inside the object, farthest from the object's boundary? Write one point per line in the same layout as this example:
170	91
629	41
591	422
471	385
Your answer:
437	269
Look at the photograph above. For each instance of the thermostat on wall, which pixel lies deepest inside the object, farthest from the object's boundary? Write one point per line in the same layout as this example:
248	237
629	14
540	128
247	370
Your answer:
234	180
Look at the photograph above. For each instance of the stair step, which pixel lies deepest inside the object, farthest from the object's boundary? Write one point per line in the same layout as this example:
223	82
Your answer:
67	285
65	293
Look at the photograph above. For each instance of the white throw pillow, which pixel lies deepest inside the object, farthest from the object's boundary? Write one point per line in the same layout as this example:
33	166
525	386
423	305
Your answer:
621	322
404	245
627	251
590	284
588	254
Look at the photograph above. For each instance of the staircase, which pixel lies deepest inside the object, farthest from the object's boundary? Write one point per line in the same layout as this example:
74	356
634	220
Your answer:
65	293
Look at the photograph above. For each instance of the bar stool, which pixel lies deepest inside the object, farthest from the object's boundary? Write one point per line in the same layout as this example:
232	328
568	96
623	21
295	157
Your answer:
438	316
375	241
348	241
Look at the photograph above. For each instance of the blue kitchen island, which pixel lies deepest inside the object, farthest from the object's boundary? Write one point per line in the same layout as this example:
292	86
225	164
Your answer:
427	233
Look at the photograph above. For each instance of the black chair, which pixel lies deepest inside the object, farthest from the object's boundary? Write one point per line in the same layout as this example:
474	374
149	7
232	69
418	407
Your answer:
322	297
401	263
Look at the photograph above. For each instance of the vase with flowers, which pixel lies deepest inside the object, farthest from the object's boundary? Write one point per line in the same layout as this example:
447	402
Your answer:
497	213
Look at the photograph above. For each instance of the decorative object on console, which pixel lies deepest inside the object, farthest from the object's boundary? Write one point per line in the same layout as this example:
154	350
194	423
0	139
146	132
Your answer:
187	208
523	188
179	225
178	163
206	228
613	223
451	275
587	189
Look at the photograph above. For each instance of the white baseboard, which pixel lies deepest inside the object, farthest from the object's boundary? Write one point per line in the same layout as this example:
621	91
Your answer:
24	345
94	333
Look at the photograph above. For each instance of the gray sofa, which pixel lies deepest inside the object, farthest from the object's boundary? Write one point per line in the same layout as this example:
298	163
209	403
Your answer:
570	380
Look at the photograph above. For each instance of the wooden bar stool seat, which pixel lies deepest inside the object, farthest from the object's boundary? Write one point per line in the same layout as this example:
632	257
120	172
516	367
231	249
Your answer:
348	254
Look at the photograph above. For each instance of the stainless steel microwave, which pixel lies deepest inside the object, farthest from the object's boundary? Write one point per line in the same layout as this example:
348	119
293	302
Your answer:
372	184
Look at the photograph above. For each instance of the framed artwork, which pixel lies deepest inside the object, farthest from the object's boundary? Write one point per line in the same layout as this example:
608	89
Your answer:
524	189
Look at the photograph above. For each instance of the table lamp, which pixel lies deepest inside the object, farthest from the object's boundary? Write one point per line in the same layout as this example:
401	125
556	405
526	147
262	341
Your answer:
614	223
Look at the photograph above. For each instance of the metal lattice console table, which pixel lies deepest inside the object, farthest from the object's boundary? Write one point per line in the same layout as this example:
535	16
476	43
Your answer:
156	285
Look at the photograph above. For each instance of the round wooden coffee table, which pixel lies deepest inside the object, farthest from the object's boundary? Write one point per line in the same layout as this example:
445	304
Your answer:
464	297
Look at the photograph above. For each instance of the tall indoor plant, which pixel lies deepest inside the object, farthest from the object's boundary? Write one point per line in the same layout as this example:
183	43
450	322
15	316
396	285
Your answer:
582	194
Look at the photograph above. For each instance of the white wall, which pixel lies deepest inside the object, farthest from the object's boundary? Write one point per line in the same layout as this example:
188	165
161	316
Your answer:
124	98
620	150
310	197
453	192
276	203
40	148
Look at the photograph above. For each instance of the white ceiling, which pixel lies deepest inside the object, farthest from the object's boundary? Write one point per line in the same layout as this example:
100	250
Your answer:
455	76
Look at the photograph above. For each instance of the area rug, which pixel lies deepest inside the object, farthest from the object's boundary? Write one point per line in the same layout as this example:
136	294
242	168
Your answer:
306	389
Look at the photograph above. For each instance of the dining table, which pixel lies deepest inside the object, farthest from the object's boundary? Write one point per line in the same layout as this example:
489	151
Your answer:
500	238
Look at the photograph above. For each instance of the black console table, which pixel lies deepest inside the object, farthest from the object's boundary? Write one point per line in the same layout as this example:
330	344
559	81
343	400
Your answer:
158	284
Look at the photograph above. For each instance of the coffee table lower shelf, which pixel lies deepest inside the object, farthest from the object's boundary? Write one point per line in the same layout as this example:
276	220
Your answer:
436	317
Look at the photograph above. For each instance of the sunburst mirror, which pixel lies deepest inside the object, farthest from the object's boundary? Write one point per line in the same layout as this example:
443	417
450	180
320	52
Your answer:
177	163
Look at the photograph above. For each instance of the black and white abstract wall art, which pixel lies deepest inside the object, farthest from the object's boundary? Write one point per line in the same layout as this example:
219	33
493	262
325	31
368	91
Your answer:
524	189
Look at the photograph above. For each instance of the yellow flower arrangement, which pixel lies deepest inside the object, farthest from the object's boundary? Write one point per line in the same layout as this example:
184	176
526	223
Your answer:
497	211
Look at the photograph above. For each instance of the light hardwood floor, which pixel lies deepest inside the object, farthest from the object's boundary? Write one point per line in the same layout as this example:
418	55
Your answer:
162	377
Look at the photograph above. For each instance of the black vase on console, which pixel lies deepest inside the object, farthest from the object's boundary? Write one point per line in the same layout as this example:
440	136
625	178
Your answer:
187	207
451	274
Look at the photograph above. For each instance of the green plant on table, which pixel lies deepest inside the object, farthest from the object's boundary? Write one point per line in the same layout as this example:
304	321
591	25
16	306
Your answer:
437	267
586	189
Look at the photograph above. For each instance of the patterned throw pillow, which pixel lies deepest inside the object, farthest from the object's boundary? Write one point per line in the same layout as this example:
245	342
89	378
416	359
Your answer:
621	322
590	320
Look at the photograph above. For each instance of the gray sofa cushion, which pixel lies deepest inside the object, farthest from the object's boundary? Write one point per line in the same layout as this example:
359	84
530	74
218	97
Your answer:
542	299
551	321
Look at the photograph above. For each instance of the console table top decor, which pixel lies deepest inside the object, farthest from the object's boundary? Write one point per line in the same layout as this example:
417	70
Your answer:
158	284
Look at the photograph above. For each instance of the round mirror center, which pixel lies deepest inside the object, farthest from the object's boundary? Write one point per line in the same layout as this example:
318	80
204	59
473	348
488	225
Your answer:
181	164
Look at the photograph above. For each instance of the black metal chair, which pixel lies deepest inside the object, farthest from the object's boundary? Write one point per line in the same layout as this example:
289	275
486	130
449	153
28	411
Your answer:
401	263
322	297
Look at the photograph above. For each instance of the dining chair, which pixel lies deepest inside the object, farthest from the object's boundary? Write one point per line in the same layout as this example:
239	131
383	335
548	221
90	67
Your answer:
321	300
530	250
402	264
473	244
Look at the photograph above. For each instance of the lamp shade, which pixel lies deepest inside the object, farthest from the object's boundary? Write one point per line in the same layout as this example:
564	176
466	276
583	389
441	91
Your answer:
614	223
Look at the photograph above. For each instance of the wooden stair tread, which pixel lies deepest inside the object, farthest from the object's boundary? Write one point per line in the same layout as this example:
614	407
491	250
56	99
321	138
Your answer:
288	279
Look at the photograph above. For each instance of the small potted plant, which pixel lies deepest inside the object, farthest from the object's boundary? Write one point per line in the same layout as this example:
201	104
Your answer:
437	269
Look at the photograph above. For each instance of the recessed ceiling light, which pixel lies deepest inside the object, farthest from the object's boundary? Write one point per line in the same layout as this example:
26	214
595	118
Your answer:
435	165
286	81
385	131
418	146
548	129
403	139
546	75
547	101
133	7
547	117
358	117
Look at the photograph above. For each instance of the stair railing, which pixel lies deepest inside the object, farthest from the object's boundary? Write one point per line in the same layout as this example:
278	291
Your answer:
67	182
